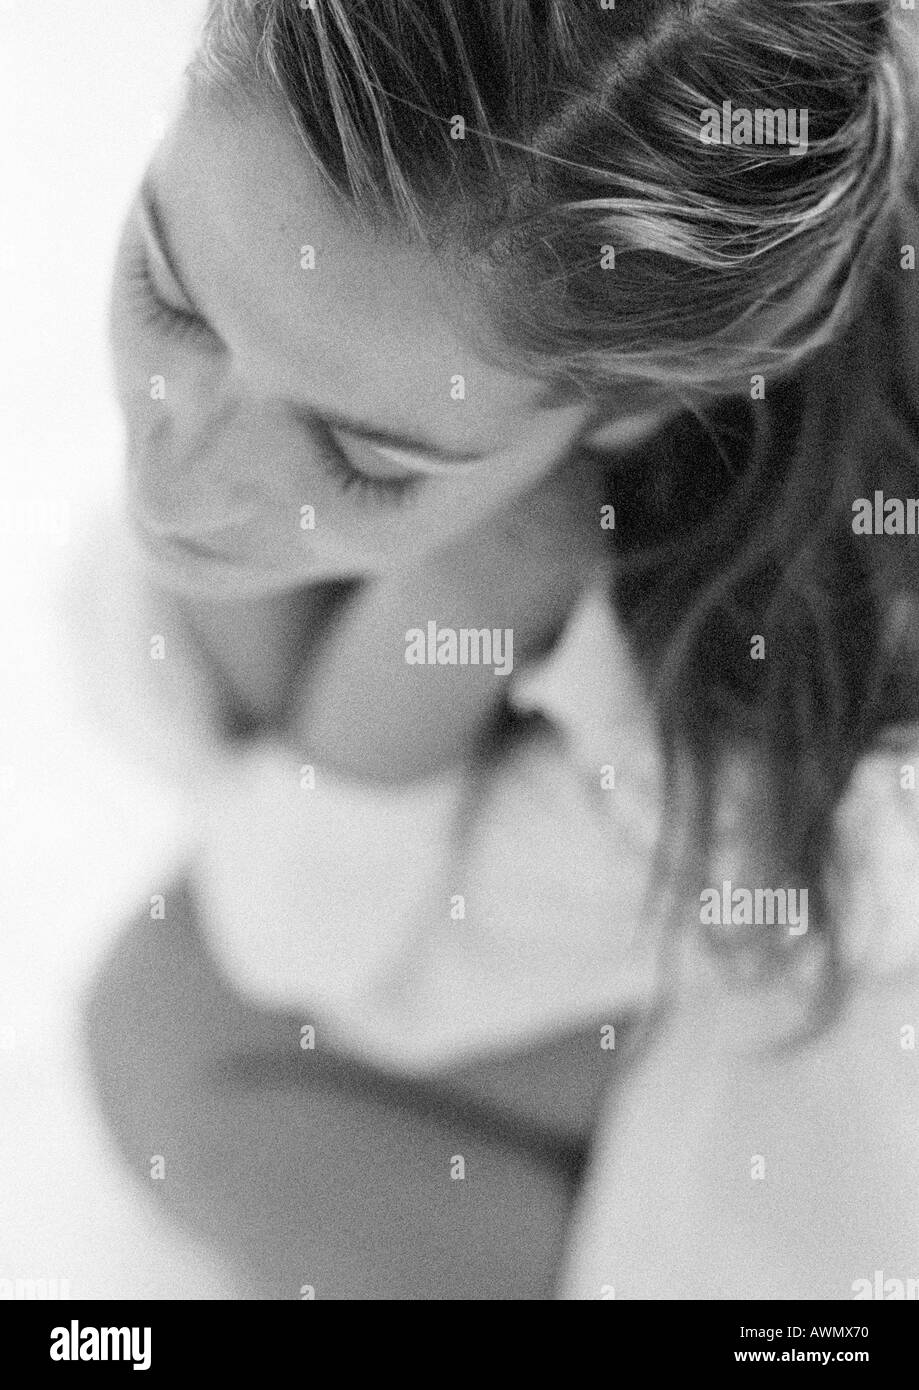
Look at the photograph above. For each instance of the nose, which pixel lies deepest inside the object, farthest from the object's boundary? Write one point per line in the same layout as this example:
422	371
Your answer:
192	468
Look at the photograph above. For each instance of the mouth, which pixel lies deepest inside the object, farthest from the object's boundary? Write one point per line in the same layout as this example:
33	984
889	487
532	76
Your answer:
177	549
199	566
194	566
185	546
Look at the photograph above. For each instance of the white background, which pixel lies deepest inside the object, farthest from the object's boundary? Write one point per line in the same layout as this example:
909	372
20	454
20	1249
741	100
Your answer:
85	86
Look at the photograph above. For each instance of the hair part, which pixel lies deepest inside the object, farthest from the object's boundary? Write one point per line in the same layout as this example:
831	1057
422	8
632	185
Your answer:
581	131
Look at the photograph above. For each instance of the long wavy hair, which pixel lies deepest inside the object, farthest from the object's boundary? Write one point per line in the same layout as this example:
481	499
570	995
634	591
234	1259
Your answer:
552	150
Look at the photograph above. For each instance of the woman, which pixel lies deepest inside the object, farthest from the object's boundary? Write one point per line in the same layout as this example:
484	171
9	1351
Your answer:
502	382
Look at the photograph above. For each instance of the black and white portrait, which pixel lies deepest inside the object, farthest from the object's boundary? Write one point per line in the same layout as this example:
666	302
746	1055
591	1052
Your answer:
459	712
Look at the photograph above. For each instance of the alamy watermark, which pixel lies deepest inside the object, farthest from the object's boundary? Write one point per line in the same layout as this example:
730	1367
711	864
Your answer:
885	516
754	907
33	1290
46	518
78	1343
882	1287
465	646
739	125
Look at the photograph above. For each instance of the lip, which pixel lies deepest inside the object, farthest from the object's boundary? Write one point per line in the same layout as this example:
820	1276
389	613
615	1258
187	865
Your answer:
196	566
179	548
189	547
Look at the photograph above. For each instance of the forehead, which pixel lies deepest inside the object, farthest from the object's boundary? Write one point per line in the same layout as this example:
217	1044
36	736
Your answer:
376	328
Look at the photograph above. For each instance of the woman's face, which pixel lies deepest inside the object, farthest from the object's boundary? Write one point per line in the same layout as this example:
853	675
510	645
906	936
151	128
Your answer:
303	402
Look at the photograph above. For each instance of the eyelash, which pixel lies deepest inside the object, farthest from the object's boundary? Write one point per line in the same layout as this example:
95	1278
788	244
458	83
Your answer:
157	313
180	323
351	479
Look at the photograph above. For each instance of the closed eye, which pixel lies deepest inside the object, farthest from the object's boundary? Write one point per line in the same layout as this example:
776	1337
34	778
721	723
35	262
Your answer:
335	460
156	311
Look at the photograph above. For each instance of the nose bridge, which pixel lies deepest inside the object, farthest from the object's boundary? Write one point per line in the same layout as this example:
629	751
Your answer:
197	472
204	409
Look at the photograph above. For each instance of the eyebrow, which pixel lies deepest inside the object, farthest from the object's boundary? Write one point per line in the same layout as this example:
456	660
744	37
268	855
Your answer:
371	433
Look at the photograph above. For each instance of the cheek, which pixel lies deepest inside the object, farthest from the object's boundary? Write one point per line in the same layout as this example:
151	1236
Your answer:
461	506
206	466
206	456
